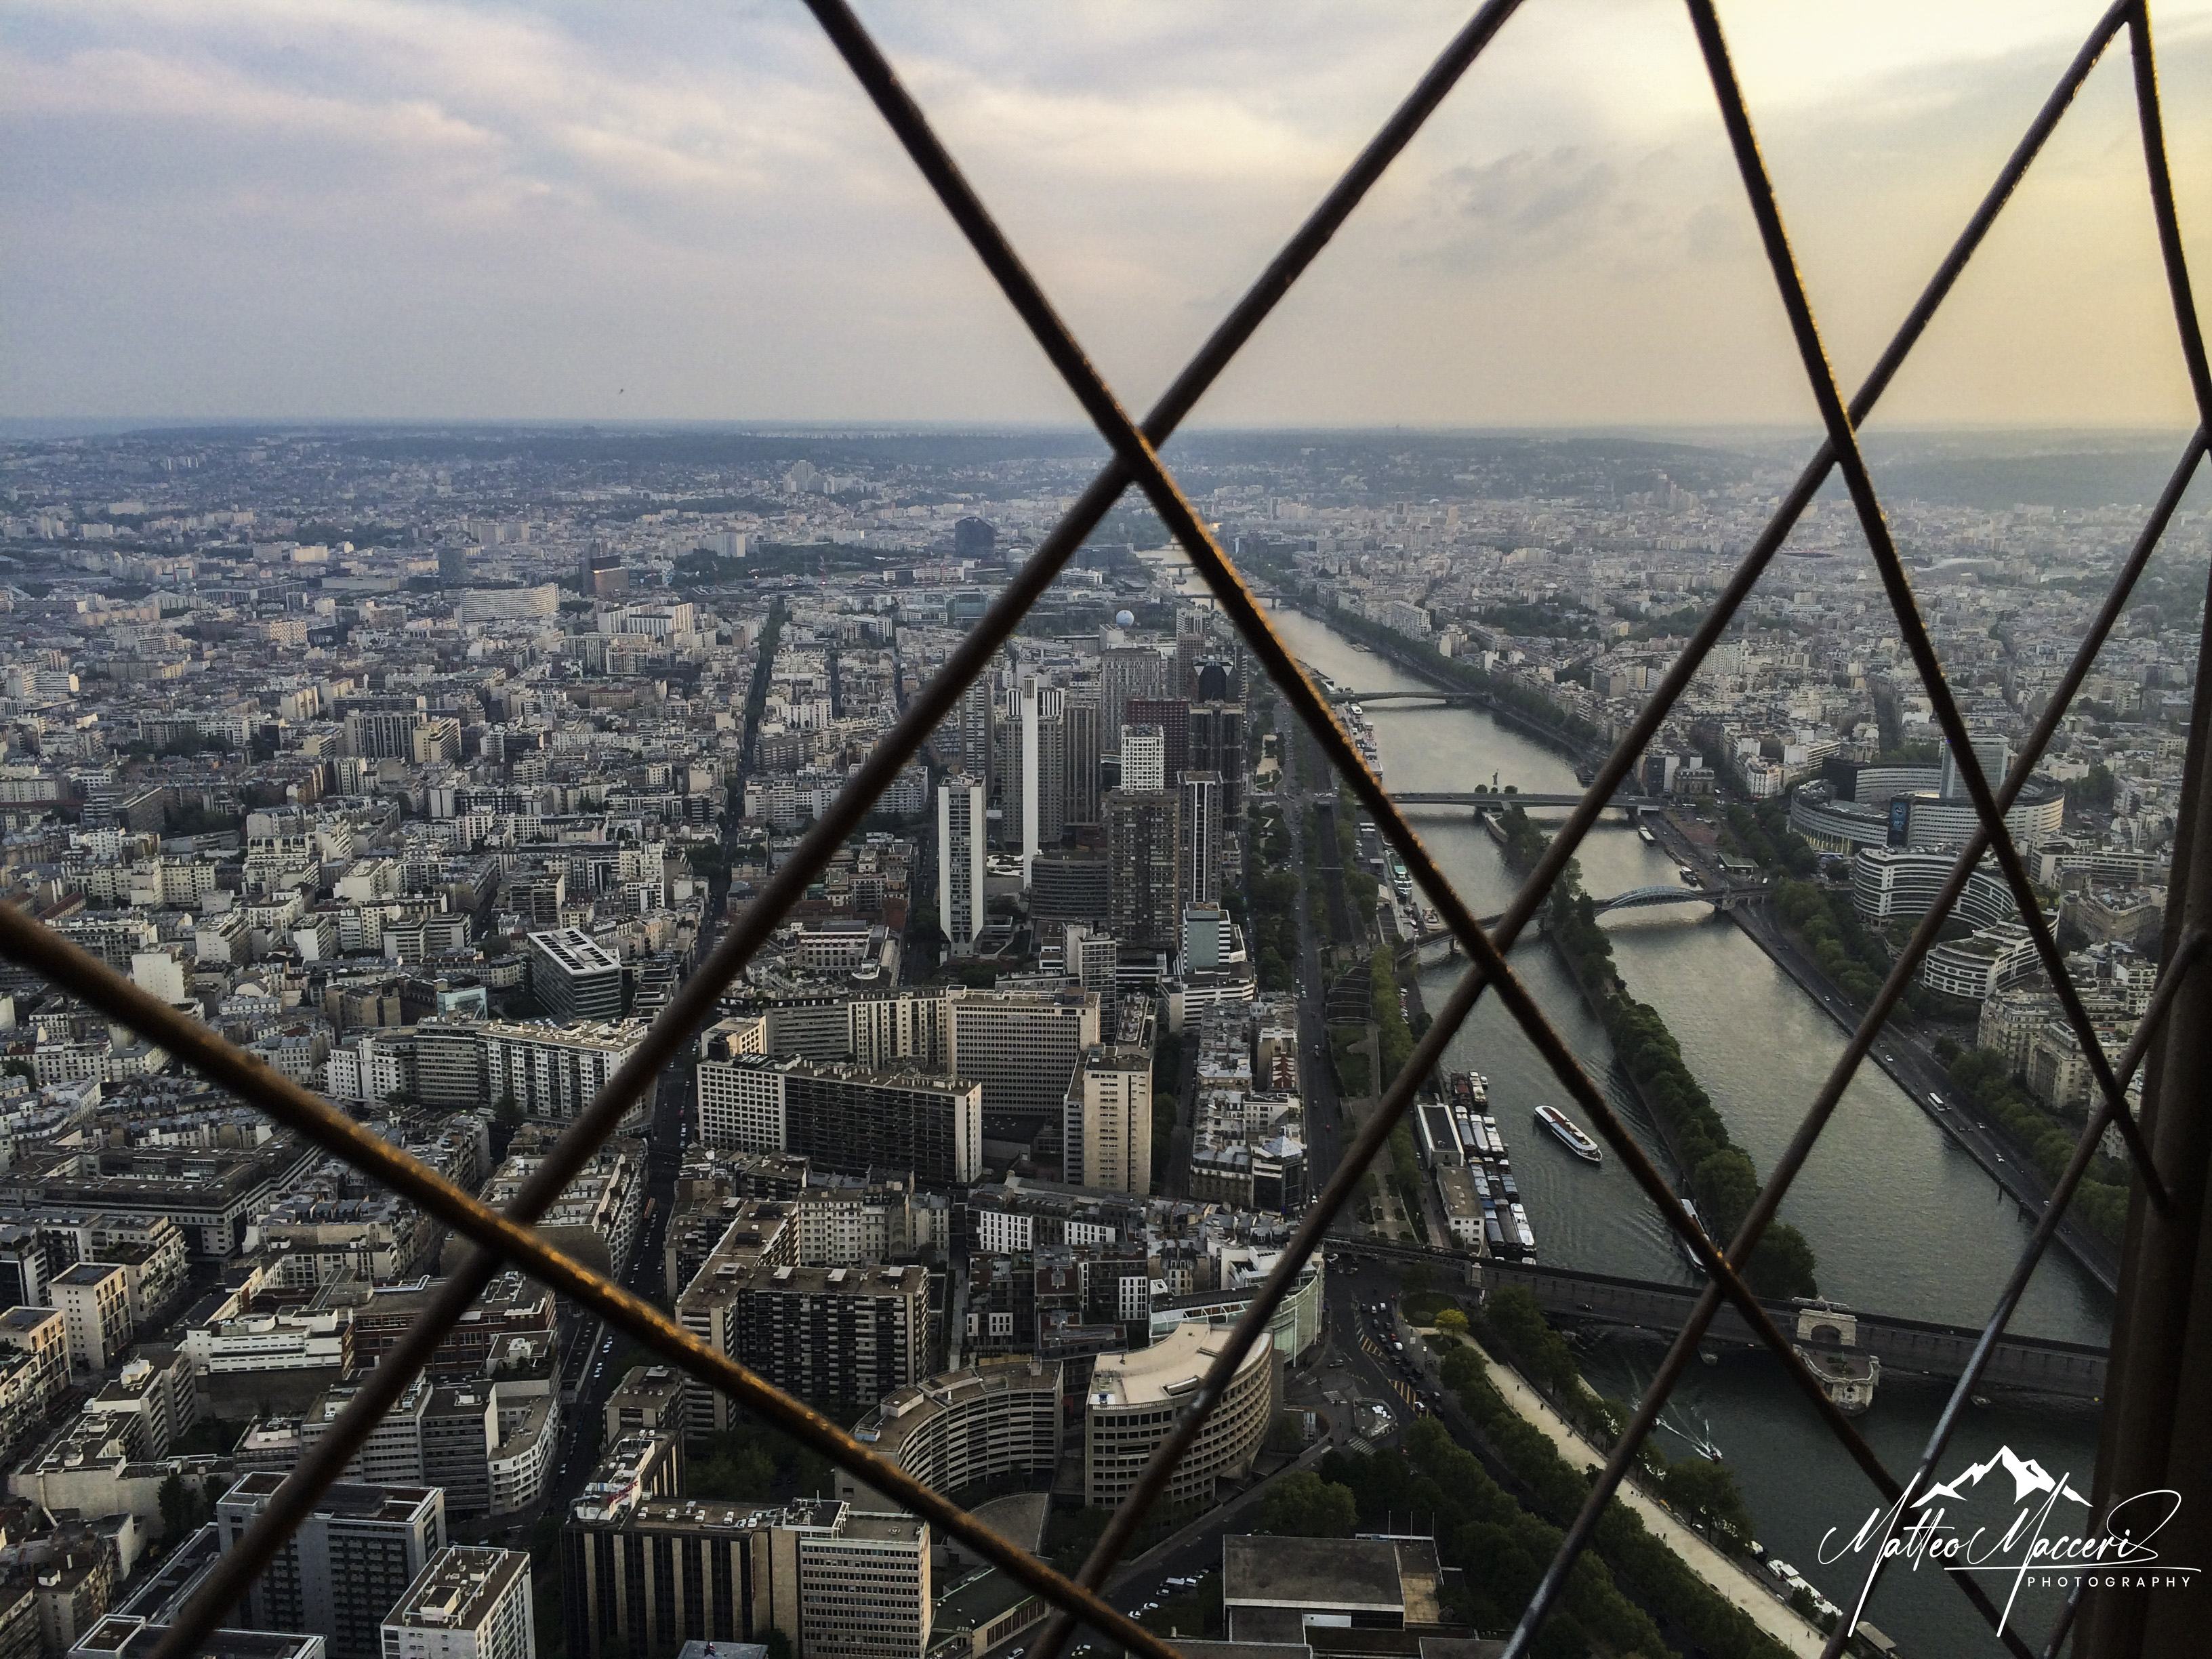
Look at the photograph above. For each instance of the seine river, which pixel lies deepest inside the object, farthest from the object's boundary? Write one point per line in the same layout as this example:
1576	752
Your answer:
1902	1223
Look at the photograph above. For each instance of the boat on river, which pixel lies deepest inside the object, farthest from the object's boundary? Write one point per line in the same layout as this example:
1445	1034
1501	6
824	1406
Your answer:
1683	1245
1643	833
1569	1134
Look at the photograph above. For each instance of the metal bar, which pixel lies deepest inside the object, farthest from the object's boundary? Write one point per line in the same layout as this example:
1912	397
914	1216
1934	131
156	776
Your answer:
1825	1103
2046	1229
1770	1198
316	1473
26	941
2151	1436
899	112
1875	526
2150	121
2063	1623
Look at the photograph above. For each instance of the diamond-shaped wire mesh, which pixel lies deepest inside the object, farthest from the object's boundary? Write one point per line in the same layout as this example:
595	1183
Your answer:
506	1239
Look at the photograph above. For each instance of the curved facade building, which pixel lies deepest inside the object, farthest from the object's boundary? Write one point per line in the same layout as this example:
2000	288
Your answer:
1900	884
1978	968
1134	1400
1837	826
1921	818
959	1427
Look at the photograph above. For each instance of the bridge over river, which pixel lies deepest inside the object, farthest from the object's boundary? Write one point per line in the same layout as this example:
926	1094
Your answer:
1905	1347
1725	897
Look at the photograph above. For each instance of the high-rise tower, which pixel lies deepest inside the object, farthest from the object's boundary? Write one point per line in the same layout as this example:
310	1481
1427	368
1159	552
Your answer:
960	862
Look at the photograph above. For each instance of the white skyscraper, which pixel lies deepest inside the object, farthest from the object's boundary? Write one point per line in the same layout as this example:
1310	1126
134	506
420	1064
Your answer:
960	861
1144	760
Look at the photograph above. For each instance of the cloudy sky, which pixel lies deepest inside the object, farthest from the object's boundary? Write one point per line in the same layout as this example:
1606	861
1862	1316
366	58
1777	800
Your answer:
676	209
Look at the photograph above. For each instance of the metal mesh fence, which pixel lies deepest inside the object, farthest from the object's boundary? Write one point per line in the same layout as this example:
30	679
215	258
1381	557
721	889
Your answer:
506	1239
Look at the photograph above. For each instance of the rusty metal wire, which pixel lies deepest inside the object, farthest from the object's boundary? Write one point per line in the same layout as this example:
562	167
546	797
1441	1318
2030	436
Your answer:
507	1239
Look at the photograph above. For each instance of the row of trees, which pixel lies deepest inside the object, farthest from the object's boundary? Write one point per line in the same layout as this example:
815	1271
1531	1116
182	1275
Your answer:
1266	905
1500	1547
1723	1179
1766	838
1854	958
1982	1079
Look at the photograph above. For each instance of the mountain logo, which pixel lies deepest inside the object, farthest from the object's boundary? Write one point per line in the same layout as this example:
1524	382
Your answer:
2028	1476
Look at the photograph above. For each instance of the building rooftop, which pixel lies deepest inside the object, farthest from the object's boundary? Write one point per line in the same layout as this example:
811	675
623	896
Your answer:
458	1586
1318	1575
85	1273
1171	1369
353	1500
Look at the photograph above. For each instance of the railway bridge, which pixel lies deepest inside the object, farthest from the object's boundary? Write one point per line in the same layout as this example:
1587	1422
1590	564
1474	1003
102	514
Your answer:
1906	1347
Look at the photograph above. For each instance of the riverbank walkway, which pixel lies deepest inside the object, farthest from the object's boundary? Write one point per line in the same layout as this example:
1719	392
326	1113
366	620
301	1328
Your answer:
1720	1571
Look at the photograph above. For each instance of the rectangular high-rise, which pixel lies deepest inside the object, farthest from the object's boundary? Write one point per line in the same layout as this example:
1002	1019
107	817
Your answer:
960	831
1217	744
842	1117
977	724
645	1570
1144	760
843	1337
1132	670
1083	744
573	977
1021	1046
1107	1135
1201	831
1172	716
345	1566
1144	867
1019	825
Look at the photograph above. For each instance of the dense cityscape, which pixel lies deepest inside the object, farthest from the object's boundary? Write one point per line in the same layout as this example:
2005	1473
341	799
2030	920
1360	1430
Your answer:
426	764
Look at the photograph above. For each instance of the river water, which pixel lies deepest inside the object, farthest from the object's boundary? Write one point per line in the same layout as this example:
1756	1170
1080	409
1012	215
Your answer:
1902	1223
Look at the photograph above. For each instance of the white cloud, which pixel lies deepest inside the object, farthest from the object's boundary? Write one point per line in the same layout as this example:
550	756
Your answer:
366	207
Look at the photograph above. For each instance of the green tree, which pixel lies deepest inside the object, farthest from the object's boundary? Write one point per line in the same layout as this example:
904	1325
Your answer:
1707	1492
2094	791
1782	1265
1452	1323
178	1509
1303	1505
777	1644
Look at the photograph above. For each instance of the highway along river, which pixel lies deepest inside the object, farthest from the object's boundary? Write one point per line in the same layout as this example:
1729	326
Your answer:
1902	1222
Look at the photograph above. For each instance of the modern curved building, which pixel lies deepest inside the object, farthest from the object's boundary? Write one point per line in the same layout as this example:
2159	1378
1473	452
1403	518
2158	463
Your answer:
1900	884
1135	1399
980	1423
1918	818
1978	967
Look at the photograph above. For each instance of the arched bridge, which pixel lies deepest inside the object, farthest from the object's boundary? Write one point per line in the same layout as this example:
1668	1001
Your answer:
1726	896
1721	898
